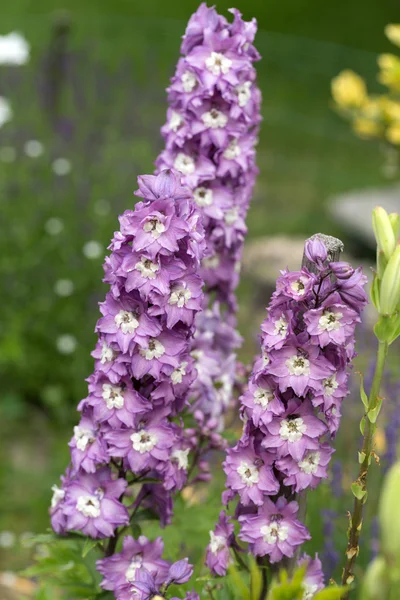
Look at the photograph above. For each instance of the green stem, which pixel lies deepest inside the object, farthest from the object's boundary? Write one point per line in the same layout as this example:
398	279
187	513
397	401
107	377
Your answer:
366	452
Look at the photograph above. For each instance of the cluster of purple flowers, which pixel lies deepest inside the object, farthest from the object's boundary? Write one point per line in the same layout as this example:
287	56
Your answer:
291	406
129	431
210	134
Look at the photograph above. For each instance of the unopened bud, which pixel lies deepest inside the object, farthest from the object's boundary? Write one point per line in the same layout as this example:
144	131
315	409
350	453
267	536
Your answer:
375	583
390	285
389	516
383	231
394	219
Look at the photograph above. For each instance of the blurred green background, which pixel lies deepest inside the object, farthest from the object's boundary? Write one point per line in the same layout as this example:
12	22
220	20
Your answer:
93	95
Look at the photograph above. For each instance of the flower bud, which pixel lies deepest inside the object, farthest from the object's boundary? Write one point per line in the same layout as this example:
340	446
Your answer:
392	32
348	89
316	251
394	219
390	286
383	231
341	269
375	582
389	516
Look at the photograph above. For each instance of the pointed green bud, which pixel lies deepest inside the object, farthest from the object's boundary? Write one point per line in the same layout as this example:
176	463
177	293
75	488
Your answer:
394	219
390	285
383	230
389	515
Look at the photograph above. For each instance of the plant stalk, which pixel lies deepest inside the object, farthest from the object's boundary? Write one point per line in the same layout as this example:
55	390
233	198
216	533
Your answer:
356	517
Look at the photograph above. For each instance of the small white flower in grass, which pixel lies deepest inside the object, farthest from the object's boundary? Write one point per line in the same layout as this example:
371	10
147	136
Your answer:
292	430
126	321
189	81
298	365
217	542
217	63
83	437
61	166
89	506
147	268
248	473
184	163
14	49
58	495
233	150
214	119
143	441
244	93
33	148
182	458
178	373
113	396
54	226
66	344
7	539
274	533
63	287
93	249
5	111
8	154
203	196
155	349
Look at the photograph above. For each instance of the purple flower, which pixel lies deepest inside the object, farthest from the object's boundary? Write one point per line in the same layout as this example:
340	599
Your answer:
179	572
314	578
88	448
316	251
333	322
120	570
297	285
308	471
262	401
274	530
92	505
218	551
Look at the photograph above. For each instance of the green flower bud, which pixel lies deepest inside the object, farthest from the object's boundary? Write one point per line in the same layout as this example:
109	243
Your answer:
390	285
389	515
383	230
375	583
394	219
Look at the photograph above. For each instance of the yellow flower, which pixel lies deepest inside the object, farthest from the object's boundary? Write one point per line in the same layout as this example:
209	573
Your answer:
348	89
366	128
393	134
392	32
390	109
389	65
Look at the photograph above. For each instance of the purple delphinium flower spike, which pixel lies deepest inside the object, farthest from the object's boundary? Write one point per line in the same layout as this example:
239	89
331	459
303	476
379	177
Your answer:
210	137
292	404
129	430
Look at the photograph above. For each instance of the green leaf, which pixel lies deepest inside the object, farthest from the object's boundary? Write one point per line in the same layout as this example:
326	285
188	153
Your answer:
136	530
88	546
361	457
255	578
331	593
375	291
373	413
238	584
357	490
362	425
363	395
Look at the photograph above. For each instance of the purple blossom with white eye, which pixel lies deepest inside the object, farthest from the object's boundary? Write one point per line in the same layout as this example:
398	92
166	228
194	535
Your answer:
274	530
307	472
314	578
218	550
88	447
297	285
261	401
333	322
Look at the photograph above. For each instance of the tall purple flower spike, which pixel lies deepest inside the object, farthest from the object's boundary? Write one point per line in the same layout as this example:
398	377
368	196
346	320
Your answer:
129	431
210	137
292	405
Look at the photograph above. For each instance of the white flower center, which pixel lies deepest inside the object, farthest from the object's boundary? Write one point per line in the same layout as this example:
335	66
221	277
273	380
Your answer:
125	320
203	196
309	590
147	268
89	506
180	296
265	359
107	353
189	81
217	543
310	463
214	119
217	63
175	121
58	495
298	365
178	373
243	93
130	573
113	396
231	215
181	456
330	321
263	396
281	327
83	437
330	385
211	262
184	163
143	441
155	349
292	430
274	532
248	473
233	150
155	227
298	286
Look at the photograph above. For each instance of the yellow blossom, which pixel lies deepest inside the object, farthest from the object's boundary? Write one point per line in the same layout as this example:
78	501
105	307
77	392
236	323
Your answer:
389	75
393	134
392	32
348	89
366	128
390	109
